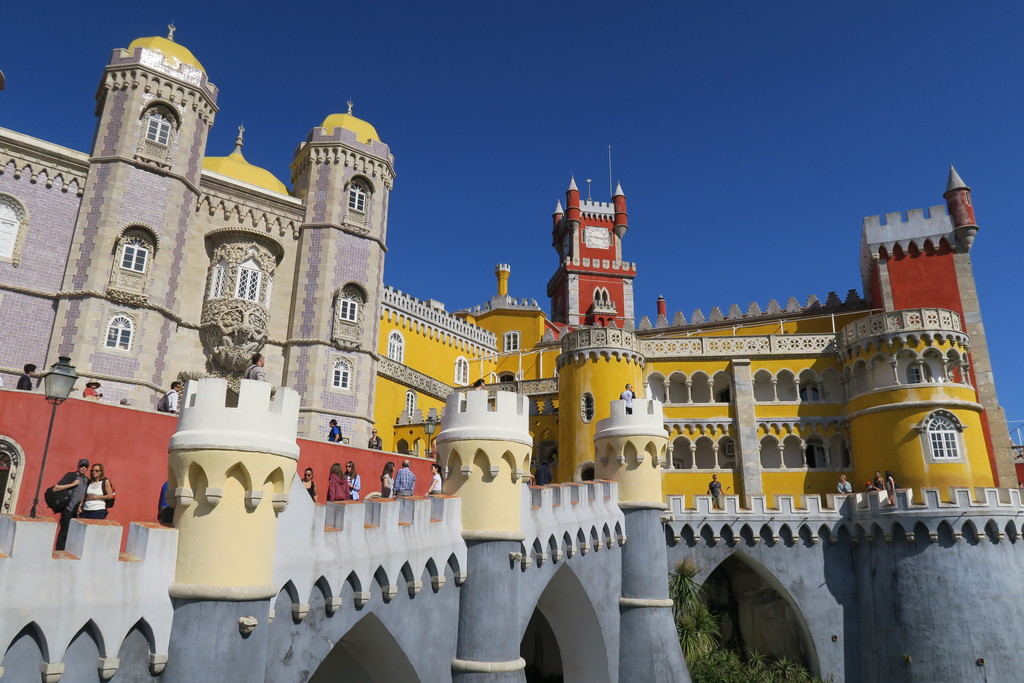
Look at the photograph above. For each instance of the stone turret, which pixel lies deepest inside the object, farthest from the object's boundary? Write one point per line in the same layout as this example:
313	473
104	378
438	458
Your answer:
485	448
230	469
630	447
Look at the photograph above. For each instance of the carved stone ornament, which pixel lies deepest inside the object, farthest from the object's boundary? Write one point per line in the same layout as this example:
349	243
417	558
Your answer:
231	331
126	298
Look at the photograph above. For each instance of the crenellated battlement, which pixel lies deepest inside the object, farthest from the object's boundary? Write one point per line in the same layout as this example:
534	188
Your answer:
969	514
753	313
647	419
91	584
562	520
373	548
403	303
258	423
476	415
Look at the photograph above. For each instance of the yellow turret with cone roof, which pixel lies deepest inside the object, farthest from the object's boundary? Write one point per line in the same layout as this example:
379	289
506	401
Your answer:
363	130
171	50
235	166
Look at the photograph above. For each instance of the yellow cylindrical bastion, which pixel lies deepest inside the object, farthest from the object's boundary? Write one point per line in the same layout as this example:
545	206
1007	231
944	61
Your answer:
485	447
594	368
229	472
630	449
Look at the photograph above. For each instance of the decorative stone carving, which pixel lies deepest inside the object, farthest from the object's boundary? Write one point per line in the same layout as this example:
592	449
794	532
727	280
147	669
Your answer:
231	331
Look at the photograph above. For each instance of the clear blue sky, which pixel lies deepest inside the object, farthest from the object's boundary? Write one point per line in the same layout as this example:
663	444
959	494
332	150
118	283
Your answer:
750	138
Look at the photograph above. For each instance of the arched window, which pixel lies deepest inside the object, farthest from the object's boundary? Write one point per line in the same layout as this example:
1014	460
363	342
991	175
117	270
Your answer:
357	197
511	341
461	371
342	377
249	278
396	347
587	407
119	333
942	430
135	254
814	453
410	403
218	279
158	127
12	219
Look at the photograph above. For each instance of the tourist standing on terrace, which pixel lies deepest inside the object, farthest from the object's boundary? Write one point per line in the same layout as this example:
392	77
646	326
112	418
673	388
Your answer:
405	481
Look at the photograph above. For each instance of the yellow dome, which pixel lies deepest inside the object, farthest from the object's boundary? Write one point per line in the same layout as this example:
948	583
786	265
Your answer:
235	166
169	49
363	130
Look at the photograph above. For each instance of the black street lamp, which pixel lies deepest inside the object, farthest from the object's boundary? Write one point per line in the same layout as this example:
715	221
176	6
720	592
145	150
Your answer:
57	385
429	425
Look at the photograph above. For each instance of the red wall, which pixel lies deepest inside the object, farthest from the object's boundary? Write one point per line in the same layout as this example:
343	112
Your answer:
924	281
132	445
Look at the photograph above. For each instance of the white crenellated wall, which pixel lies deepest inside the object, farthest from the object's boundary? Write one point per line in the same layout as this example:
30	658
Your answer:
90	581
337	542
259	423
474	415
588	513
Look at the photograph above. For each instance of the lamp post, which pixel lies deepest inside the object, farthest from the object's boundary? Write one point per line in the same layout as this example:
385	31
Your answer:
57	384
429	425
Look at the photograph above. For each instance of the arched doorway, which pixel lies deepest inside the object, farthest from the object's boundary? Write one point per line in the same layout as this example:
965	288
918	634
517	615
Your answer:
367	654
757	614
563	640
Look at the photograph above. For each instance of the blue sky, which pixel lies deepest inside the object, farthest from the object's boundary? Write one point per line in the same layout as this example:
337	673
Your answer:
750	138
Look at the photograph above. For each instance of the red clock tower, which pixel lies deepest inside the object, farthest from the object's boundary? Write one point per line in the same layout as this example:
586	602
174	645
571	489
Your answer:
593	285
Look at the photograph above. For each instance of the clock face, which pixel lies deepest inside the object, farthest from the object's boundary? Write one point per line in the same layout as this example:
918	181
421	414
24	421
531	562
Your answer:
597	238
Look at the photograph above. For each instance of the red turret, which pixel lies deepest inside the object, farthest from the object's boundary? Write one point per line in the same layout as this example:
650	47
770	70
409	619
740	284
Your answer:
572	204
556	224
961	211
621	217
662	309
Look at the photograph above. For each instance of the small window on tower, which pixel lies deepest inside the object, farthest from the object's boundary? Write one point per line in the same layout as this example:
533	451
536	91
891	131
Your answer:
357	197
158	127
511	341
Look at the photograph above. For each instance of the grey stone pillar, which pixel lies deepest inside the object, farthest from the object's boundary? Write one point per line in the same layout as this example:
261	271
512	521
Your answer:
211	642
748	450
490	596
648	647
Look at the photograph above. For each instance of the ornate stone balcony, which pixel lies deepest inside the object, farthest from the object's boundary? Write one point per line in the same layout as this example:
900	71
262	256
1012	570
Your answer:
917	322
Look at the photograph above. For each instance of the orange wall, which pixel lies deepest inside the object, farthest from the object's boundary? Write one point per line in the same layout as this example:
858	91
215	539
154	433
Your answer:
132	445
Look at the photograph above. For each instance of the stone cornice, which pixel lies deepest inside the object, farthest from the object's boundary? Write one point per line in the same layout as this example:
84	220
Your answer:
724	347
413	379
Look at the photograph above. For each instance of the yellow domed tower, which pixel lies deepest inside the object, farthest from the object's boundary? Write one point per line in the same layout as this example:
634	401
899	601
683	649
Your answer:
235	166
344	174
594	368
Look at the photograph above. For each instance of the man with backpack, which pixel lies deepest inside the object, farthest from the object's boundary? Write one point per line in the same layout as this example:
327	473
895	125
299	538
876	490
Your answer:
169	402
76	482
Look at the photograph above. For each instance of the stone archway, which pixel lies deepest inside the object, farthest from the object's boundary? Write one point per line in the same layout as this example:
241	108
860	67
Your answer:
757	614
563	639
368	653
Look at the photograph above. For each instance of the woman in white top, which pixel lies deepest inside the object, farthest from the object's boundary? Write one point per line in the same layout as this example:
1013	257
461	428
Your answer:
435	480
99	491
354	482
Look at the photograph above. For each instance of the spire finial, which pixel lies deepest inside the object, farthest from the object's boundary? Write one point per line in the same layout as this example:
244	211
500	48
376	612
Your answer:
350	106
240	140
171	28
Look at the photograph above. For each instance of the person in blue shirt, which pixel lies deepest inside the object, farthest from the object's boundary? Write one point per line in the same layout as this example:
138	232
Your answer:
334	434
405	480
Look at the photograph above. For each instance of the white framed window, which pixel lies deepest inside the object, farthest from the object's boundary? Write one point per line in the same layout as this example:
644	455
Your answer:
219	279
461	371
135	254
357	197
249	278
342	376
158	127
510	342
119	333
396	347
348	307
10	226
410	403
943	437
918	372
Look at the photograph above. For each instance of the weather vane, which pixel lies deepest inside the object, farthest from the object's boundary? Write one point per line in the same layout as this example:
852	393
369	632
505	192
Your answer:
171	28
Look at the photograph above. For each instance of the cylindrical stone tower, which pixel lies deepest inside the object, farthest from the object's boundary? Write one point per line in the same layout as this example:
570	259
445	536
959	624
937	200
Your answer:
485	447
594	368
630	449
229	472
